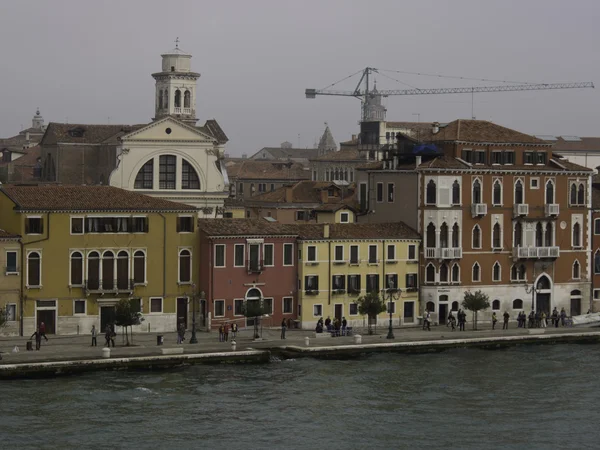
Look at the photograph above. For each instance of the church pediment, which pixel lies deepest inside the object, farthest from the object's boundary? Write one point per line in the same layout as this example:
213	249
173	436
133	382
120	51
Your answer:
168	130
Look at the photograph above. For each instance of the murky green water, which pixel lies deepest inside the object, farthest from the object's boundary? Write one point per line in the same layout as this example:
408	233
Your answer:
536	397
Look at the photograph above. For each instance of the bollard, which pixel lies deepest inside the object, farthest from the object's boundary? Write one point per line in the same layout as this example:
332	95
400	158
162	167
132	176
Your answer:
106	352
357	339
306	341
233	345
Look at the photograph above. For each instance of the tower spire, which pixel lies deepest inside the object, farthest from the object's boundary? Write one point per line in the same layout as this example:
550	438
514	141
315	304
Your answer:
177	42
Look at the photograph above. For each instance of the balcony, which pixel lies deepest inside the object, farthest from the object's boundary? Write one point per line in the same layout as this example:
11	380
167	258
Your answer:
373	262
338	291
108	287
520	209
187	110
536	252
311	292
354	261
254	266
353	290
177	110
443	253
339	261
478	209
311	263
552	209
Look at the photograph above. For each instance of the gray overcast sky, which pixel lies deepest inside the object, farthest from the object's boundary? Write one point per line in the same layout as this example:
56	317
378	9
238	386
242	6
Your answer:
88	60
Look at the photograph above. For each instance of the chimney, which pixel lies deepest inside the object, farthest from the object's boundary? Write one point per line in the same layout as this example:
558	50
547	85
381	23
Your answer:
289	194
353	137
435	127
326	231
418	161
27	136
324	196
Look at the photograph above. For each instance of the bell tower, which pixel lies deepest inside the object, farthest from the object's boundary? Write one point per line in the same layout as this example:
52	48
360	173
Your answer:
176	87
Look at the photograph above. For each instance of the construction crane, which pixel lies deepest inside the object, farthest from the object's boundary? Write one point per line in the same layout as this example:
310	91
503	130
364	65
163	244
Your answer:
371	98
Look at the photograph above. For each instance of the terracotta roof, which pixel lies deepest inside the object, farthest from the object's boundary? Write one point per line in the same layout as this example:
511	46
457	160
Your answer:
584	144
450	162
213	128
289	153
272	170
595	197
6	236
302	192
85	134
397	230
245	227
348	154
233	167
443	162
482	131
54	198
570	165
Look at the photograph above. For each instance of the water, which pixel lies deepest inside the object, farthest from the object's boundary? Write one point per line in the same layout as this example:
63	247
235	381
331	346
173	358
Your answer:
536	397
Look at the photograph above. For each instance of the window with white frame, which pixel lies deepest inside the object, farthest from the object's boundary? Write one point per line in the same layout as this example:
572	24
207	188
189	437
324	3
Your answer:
373	283
79	307
76	269
219	308
534	183
338	253
576	270
519	193
311	283
576	193
219	255
390	192
431	193
354	284
576	235
268	306
317	310
239	250
549	196
288	252
391	281
311	253
476	273
11	262
185	224
497	236
596	294
139	267
430	273
596	226
11	312
496	272
456	193
185	266
444	273
76	225
353	309
455	273
34	225
412	252
338	282
476	237
34	269
344	217
497	193
476	191
354	254
238	307
288	305
391	252
379	192
496	305
518	272
412	283
373	254
156	305
269	255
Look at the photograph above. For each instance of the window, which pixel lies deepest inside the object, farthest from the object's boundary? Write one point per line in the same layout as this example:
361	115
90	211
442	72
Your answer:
219	308
288	305
476	272
145	177
186	99
268	306
354	284
354	254
11	262
479	157
534	183
167	171
338	282
444	273
34	269
517	272
238	307
177	97
518	235
581	195
11	312
311	254
373	283
497	157
269	257
596	226
476	241
185	224
497	236
185	266
476	191
123	271
317	310
509	157
76	225
379	192
139	267
430	273
496	272
596	294
79	306
456	193
76	269
373	254
430	197
467	155
390	192
455	236
541	158
34	225
288	251
411	281
518	304
353	309
519	195
597	262
344	217
339	253
311	283
577	194
239	250
497	193
576	235
576	270
219	255
108	270
391	252
496	305
301	215
391	281
528	157
139	224
412	252
93	271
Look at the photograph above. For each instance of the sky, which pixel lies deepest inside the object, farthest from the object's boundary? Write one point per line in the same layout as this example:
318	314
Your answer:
83	61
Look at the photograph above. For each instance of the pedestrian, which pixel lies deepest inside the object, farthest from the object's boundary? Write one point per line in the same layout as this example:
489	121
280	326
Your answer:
113	334
221	333
94	333
453	323
181	333
537	319
38	338
336	326
563	317
43	330
283	328
543	319
226	332
461	320
494	320
555	317
450	317
428	320
344	326
328	323
107	336
234	330
506	317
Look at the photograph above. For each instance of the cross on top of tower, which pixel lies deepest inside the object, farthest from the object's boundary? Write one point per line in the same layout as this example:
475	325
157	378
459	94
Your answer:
177	42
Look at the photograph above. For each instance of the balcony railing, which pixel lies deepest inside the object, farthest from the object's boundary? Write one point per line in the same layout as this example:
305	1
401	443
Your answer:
254	266
187	110
354	261
177	110
353	290
521	209
536	252
374	261
112	286
311	263
478	209
339	261
338	290
552	209
311	291
443	253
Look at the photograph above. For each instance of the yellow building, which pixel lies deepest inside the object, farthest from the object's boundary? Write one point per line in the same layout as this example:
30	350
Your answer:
339	263
10	281
86	247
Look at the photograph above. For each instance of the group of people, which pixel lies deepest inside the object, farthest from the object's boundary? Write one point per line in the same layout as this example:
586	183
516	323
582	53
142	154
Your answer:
335	326
537	319
461	319
224	329
39	333
505	316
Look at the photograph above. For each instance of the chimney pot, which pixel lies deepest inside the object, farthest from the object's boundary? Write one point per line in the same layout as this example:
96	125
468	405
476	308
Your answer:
435	127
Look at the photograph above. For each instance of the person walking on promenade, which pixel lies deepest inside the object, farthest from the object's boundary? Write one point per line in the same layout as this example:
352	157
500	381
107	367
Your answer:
94	334
427	321
107	336
226	332
563	316
531	318
328	324
283	328
461	320
344	326
221	333
450	317
543	319
494	320
113	334
43	330
181	333
506	317
555	317
38	338
234	330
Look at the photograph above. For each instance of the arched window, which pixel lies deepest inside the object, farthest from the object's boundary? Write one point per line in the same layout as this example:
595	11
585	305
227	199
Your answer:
519	198
496	305
430	307
576	270
581	195
431	235
444	235
189	177
573	196
430	273
455	273
185	266
145	177
76	269
522	272
160	99
548	240
476	241
454	306
497	236
108	270
139	267
123	270
93	271
496	272
497	195
186	99
597	262
476	191
455	236
549	192
456	193
167	171
576	235
518	304
518	235
34	269
544	283
166	99
539	235
177	98
517	272
431	193
476	275
444	273
253	294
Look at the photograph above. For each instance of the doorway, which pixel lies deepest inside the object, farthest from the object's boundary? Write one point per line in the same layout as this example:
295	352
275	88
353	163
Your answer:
107	317
543	303
338	311
575	307
182	311
48	316
443	314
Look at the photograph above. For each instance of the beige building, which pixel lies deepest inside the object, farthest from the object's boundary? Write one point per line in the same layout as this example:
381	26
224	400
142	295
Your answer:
10	280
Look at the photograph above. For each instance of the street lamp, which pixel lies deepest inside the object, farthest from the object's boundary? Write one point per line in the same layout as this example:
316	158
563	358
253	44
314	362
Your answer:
533	290
391	297
193	339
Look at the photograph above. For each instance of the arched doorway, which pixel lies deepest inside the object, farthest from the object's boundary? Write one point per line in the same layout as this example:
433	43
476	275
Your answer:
252	301
443	311
543	294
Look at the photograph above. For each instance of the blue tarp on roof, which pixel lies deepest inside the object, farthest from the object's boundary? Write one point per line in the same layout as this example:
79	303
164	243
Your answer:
426	148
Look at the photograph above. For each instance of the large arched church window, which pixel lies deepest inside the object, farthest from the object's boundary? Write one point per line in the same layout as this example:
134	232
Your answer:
145	176
167	171
189	177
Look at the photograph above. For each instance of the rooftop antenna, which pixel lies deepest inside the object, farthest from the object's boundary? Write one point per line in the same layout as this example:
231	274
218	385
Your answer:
177	42
298	140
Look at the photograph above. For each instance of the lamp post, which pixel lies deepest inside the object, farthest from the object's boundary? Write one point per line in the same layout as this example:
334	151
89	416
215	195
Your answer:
193	339
533	290
391	296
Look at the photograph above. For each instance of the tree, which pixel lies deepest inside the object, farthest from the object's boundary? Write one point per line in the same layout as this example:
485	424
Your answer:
475	301
127	316
254	309
3	316
371	305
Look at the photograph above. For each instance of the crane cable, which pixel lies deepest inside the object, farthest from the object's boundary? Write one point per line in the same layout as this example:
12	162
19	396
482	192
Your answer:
401	82
343	79
456	77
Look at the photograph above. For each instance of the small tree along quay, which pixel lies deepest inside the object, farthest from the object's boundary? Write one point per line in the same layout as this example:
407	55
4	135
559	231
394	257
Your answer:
3	314
371	305
127	316
254	309
475	302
